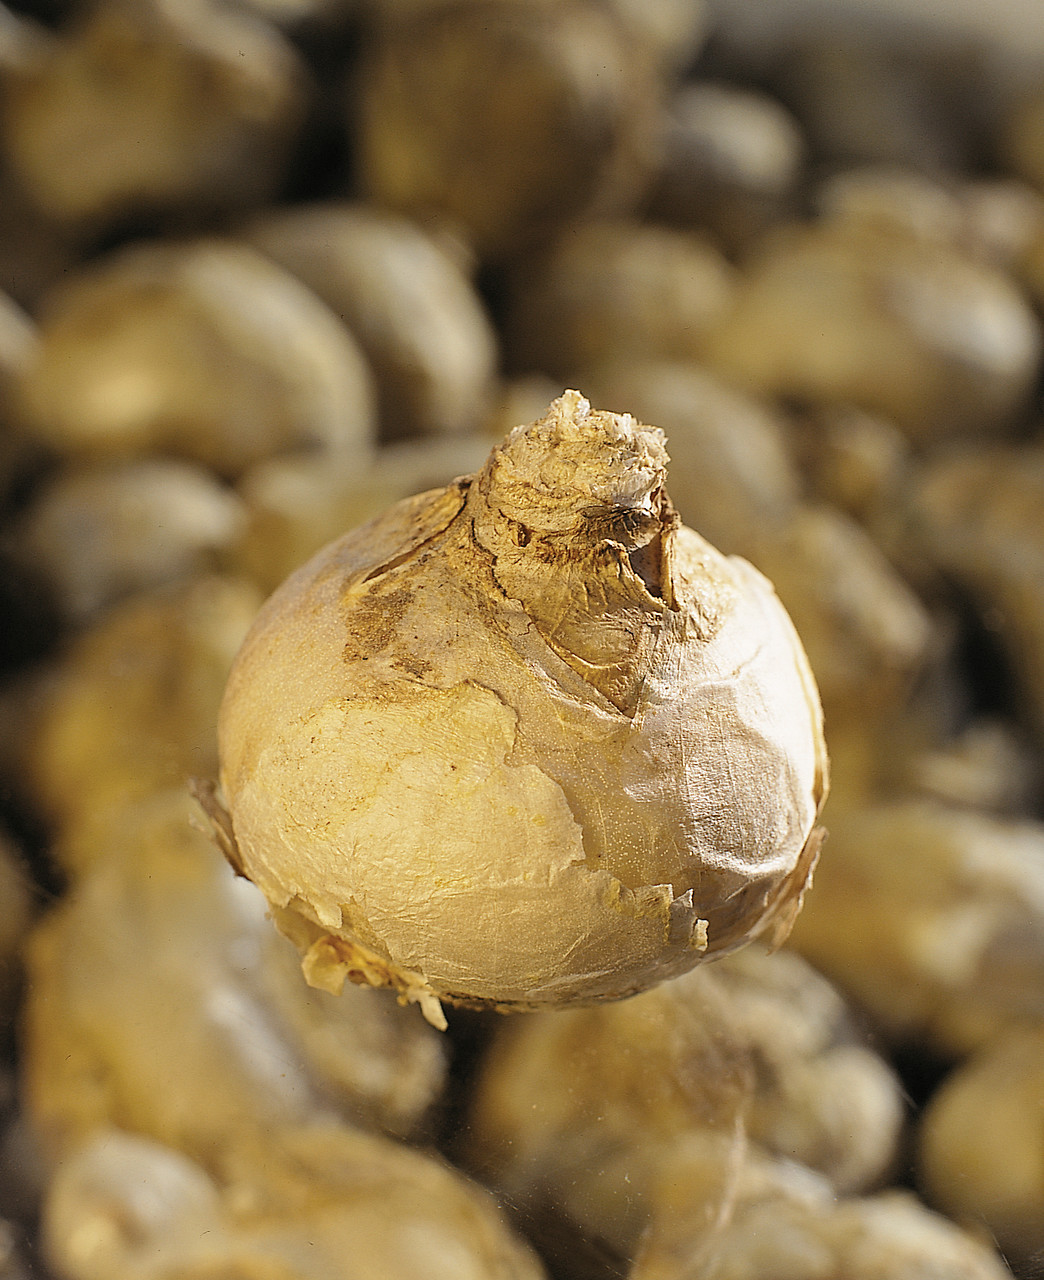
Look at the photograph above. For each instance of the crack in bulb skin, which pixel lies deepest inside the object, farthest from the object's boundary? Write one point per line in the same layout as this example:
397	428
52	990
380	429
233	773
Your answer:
525	741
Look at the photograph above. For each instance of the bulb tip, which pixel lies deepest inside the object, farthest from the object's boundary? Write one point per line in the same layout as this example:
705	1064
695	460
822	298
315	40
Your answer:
575	460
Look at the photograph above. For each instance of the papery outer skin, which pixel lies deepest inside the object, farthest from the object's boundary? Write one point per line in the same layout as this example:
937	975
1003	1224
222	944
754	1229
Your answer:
410	765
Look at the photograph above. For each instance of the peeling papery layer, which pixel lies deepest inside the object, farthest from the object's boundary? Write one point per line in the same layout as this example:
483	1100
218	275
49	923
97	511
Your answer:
503	860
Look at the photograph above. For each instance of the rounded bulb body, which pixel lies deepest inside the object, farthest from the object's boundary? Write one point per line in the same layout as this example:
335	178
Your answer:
526	740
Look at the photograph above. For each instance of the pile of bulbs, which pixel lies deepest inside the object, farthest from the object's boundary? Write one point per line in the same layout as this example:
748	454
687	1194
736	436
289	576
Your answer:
465	465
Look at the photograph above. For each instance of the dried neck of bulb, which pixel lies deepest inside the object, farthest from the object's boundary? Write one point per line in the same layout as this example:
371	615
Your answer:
573	512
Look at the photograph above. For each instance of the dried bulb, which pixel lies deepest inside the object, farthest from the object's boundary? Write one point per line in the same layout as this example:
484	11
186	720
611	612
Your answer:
322	1203
505	121
525	741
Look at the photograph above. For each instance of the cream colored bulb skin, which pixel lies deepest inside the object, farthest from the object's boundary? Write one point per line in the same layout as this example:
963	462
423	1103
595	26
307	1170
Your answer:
525	741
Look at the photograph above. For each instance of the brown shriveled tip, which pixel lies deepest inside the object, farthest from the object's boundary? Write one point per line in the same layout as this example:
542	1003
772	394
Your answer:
576	463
